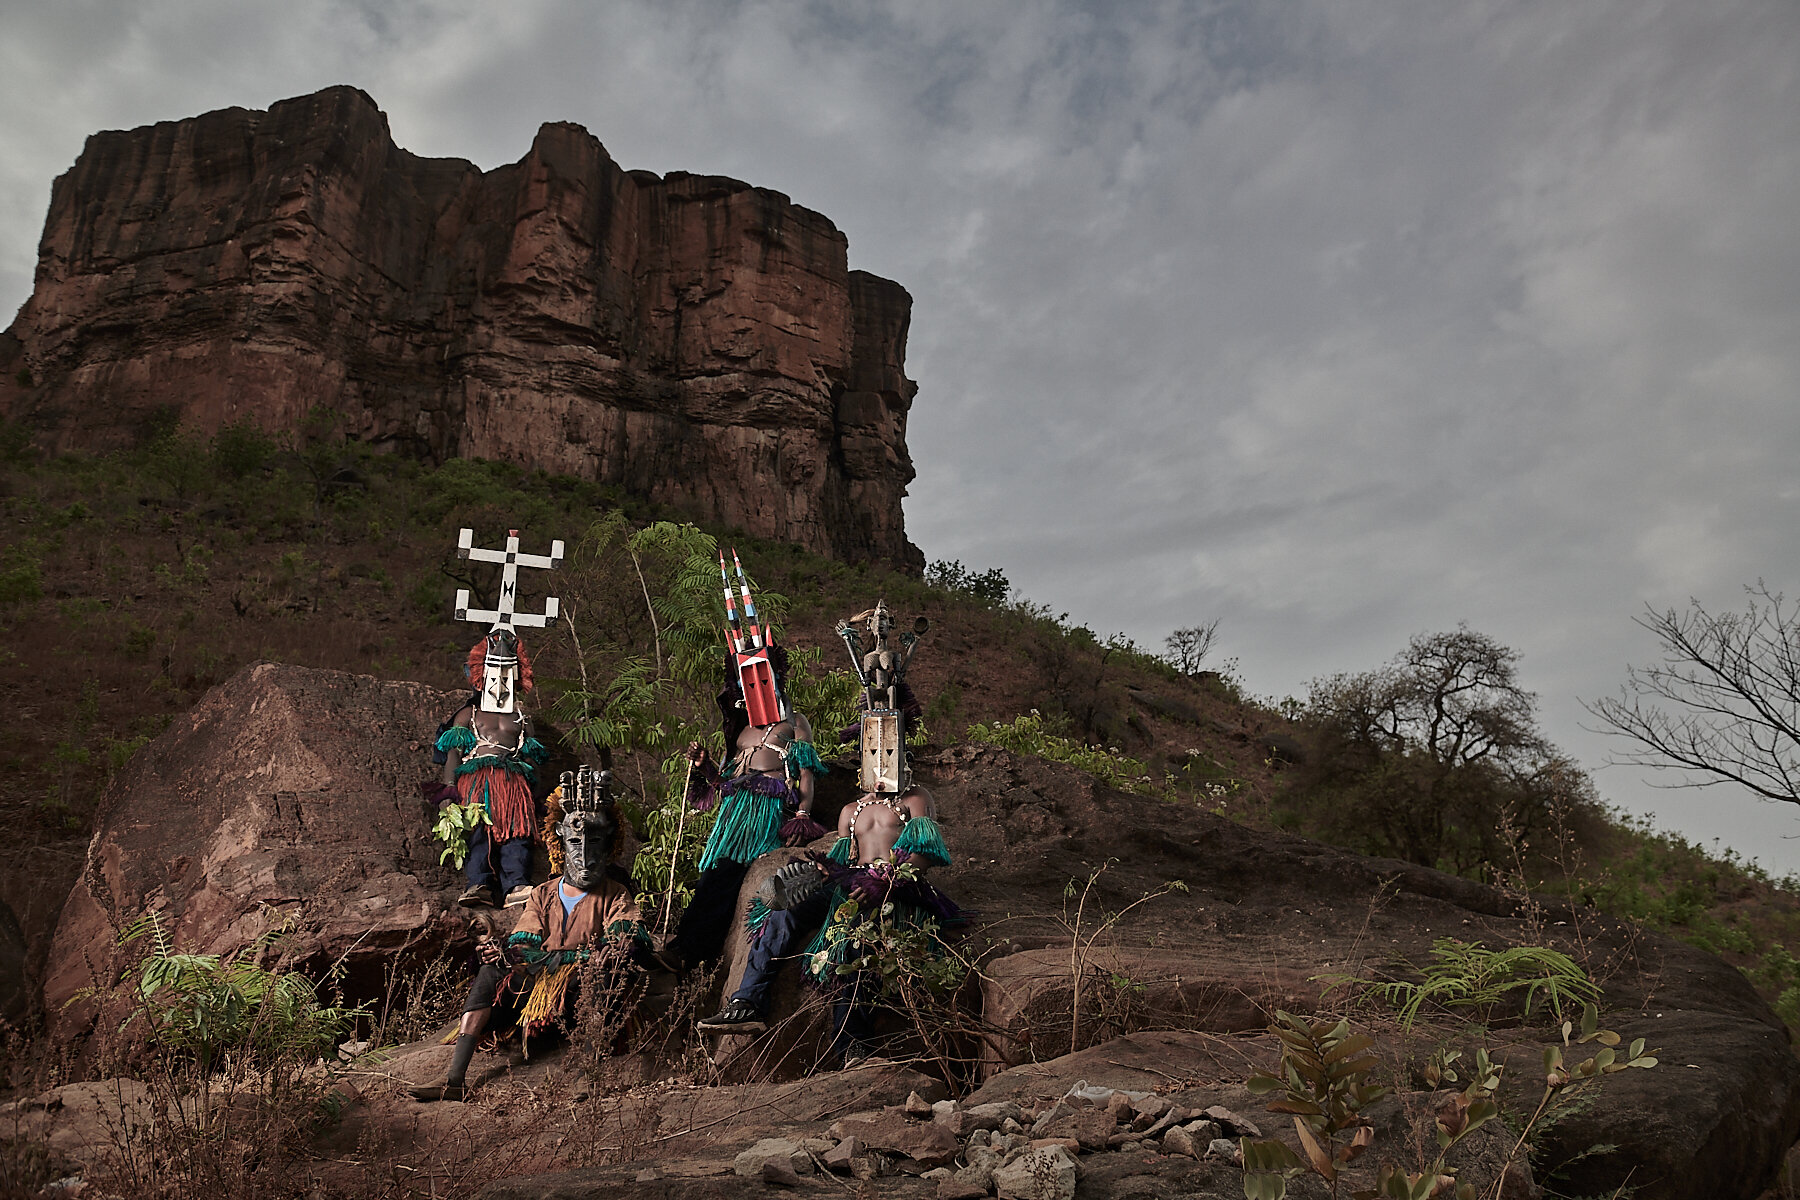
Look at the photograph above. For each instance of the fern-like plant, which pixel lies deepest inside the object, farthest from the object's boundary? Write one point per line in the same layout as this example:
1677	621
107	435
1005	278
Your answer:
1469	975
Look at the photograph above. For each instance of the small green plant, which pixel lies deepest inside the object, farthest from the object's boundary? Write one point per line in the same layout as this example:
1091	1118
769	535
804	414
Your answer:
208	1006
1565	1085
454	825
1469	975
1323	1085
1028	734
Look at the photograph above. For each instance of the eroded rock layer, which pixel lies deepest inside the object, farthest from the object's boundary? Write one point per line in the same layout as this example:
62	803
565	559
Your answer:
695	340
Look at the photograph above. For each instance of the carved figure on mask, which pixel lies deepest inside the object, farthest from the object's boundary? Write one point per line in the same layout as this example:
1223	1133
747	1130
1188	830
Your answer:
581	928
763	794
880	663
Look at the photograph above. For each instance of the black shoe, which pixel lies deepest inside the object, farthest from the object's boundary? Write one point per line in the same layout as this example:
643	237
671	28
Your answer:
477	897
448	1091
738	1016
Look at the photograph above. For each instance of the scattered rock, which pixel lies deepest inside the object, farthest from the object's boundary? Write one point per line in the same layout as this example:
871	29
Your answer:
1067	1143
1203	1132
779	1173
750	1162
992	1116
842	1154
1011	1125
649	1175
917	1105
1227	1149
937	1173
1119	1108
956	1187
927	1144
1242	1126
1047	1173
1148	1109
1090	1127
1179	1141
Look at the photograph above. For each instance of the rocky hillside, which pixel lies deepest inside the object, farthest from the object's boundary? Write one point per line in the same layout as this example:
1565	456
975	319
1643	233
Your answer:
698	342
282	799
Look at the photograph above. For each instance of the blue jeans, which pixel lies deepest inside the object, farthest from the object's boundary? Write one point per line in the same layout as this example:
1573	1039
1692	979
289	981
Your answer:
780	937
497	866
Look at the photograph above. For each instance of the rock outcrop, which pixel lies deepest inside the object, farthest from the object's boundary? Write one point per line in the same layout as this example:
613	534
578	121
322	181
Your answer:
697	341
291	793
288	798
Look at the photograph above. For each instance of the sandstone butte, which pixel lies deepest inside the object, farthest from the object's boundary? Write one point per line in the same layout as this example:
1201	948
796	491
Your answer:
699	342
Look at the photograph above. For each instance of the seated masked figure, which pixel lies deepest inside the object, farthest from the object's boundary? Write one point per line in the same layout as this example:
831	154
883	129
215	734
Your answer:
764	801
885	844
584	924
490	761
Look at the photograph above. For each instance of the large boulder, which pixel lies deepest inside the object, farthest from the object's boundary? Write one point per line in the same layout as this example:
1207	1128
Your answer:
1281	914
288	798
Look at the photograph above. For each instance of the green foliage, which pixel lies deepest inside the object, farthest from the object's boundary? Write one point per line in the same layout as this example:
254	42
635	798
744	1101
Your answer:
455	823
1323	1085
830	698
1469	975
21	575
988	588
882	944
241	449
1434	757
207	1006
1029	735
654	704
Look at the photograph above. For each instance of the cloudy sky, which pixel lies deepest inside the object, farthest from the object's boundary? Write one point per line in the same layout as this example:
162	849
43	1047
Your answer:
1335	320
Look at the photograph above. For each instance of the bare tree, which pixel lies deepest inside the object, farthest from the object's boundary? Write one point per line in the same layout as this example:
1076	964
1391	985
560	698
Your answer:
1188	648
1724	704
1422	757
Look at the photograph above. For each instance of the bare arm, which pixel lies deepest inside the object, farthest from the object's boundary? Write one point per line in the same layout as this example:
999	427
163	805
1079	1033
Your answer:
803	786
453	757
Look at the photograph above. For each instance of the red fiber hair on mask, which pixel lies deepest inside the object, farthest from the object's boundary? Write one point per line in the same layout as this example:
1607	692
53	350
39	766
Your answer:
478	661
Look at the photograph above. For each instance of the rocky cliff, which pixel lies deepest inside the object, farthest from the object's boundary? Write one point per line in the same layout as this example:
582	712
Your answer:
697	341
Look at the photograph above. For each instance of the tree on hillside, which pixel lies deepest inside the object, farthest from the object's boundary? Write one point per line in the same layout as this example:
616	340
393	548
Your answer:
1724	704
1187	648
1429	757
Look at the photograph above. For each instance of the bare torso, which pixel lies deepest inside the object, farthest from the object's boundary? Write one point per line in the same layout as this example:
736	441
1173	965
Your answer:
759	747
875	822
496	734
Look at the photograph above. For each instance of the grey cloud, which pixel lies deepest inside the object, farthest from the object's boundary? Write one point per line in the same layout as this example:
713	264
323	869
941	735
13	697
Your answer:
1338	321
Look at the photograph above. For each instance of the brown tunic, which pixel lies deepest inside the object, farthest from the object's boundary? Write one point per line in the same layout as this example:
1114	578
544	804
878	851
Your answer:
585	924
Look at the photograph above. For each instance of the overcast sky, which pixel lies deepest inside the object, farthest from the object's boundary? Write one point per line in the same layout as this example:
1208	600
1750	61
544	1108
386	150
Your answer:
1335	320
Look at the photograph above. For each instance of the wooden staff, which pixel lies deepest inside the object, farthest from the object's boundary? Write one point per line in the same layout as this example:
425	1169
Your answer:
675	850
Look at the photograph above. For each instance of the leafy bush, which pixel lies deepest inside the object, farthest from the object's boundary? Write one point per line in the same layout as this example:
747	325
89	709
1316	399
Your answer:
989	588
1028	735
208	1006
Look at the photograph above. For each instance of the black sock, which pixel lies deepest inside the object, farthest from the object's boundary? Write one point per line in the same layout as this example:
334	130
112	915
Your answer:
459	1059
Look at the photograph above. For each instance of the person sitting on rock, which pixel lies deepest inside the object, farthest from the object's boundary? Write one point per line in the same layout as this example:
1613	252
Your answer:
490	763
770	773
884	843
584	915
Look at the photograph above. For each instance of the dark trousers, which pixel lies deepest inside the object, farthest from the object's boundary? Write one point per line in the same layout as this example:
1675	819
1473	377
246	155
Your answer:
852	1018
497	866
779	938
701	935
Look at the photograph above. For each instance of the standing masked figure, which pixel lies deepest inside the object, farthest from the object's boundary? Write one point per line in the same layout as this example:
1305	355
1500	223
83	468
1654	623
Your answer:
490	761
582	916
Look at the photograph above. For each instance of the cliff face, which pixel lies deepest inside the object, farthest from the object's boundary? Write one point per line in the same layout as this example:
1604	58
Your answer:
698	341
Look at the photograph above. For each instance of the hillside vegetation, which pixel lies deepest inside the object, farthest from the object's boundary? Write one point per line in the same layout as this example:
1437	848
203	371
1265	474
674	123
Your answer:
130	583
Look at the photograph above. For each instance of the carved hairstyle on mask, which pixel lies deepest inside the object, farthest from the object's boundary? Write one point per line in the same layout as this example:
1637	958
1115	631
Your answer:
478	662
553	819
